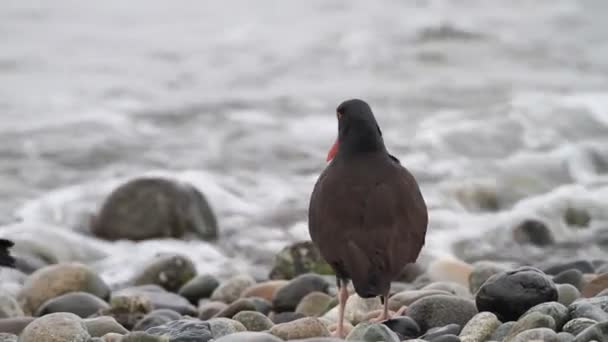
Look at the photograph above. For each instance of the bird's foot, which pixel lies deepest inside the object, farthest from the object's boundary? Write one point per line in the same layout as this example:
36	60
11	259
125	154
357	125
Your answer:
340	333
385	317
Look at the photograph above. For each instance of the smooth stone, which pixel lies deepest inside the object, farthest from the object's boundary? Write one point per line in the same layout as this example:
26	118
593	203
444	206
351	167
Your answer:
406	298
314	304
567	294
289	296
52	281
160	299
453	288
333	327
450	270
502	331
248	336
565	337
201	286
572	276
357	308
380	332
510	294
299	329
557	311
481	271
128	310
140	336
480	327
56	327
537	334
231	290
184	330
556	267
595	308
446	338
156	318
82	304
597	285
598	331
534	232
450	329
284	317
404	327
254	321
299	258
100	326
15	325
320	339
266	290
531	321
5	337
210	309
9	307
261	305
577	325
440	310
225	326
243	304
357	332
170	272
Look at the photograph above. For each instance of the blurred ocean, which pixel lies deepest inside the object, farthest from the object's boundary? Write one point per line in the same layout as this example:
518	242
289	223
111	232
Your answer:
500	109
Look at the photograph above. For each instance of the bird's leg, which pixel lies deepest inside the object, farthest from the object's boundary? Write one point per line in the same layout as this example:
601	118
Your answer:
342	298
385	315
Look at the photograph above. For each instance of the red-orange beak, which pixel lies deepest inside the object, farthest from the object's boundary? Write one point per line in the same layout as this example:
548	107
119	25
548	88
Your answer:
332	152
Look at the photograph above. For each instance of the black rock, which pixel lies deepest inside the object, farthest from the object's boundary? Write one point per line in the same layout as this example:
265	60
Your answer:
288	296
595	308
572	276
446	338
533	232
156	318
184	330
598	332
82	304
553	268
450	329
510	294
284	317
404	327
201	286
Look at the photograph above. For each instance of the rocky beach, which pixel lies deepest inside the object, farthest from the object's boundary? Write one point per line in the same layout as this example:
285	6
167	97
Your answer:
157	162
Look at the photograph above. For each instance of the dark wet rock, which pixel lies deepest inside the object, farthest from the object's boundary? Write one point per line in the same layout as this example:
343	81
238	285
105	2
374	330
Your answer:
148	208
81	304
289	296
533	232
567	294
440	310
99	326
502	331
284	317
225	326
556	310
253	320
565	337
156	318
450	329
406	298
481	271
128	310
480	327
184	330
15	325
160	299
243	304
301	328
56	327
510	294
556	267
537	334
9	307
595	286
170	272
404	327
55	280
299	258
249	337
201	286
577	325
531	321
593	308
210	309
572	276
577	217
231	290
314	304
598	332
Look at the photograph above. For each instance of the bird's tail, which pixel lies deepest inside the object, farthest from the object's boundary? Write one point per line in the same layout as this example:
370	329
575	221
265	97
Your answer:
5	258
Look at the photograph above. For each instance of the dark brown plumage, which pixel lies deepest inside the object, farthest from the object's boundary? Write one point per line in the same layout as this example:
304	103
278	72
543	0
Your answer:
367	215
5	258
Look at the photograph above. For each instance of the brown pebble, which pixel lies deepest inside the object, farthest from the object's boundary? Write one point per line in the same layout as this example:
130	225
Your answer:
210	309
596	285
264	290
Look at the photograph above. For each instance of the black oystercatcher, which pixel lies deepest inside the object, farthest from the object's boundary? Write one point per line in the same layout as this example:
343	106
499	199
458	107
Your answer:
5	258
367	215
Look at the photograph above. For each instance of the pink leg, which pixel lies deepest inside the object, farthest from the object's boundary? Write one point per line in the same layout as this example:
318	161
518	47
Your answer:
342	297
385	314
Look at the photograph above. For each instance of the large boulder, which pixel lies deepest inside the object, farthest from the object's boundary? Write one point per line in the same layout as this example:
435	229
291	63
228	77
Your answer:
151	207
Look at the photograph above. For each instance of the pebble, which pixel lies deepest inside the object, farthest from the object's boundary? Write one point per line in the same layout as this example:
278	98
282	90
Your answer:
571	276
156	318
450	329
289	296
160	299
314	304
531	321
450	270
557	311
5	337
56	327
357	332
453	288
266	290
55	280
406	298
99	326
128	310
243	304
299	258
537	334
510	294
404	327
567	294
556	267
300	328
253	321
447	338
261	305
595	286
502	331
380	332
199	287
284	317
140	336
481	271
249	337
9	307
15	325
210	309
231	290
534	232
183	330
82	304
598	331
168	271
439	310
225	326
565	337
593	308
480	327
577	325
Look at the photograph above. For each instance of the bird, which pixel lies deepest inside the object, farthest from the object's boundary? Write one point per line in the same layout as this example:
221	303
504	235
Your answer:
367	215
6	259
